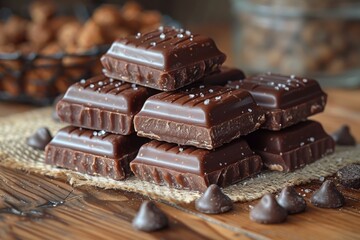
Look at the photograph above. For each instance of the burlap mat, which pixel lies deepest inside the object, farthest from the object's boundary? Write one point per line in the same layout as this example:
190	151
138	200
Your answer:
14	153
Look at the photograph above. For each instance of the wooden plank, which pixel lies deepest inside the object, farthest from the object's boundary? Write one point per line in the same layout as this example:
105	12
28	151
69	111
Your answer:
34	207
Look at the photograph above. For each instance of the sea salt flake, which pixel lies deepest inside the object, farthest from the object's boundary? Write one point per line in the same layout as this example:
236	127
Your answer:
307	190
181	149
162	36
201	86
180	35
161	28
153	44
138	35
302	144
100	83
250	110
311	139
191	95
211	91
83	81
95	133
305	80
217	98
92	86
187	32
322	179
292	76
207	101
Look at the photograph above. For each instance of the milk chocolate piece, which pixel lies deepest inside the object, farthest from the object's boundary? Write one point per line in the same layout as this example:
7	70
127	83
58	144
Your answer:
343	136
292	147
101	103
291	200
150	218
164	59
328	196
39	139
205	117
286	100
192	168
93	152
268	211
349	176
213	201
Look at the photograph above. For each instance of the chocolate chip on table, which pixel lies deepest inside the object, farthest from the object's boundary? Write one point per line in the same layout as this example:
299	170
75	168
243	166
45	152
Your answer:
150	218
291	200
268	211
349	176
39	139
343	136
327	196
213	201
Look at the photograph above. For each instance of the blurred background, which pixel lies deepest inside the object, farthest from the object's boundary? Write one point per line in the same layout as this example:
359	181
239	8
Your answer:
47	45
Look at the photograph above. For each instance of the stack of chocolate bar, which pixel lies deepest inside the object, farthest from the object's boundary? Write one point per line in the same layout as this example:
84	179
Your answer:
287	140
168	85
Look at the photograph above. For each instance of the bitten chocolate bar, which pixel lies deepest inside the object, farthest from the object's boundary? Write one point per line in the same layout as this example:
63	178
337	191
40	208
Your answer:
292	147
286	100
192	168
165	59
205	117
93	152
101	103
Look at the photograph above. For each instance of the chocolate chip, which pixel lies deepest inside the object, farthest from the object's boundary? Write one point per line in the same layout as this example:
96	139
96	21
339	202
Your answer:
327	196
291	200
343	136
349	176
213	201
150	218
268	211
39	139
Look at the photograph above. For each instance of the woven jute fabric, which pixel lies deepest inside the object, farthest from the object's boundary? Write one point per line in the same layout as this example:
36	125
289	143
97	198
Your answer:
14	153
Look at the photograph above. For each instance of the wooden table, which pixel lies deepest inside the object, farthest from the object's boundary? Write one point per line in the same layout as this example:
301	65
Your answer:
37	207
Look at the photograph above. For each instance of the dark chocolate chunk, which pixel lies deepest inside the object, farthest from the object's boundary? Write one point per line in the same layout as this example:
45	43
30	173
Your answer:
291	200
54	114
268	211
349	176
101	103
327	196
192	168
39	139
93	152
150	218
165	59
292	147
343	136
213	201
286	100
204	116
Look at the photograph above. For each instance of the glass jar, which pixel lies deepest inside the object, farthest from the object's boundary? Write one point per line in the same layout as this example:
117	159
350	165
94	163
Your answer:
319	39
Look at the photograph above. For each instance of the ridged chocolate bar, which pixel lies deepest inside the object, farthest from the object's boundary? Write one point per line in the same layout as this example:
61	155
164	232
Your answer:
92	152
292	147
192	168
286	100
165	59
101	103
205	117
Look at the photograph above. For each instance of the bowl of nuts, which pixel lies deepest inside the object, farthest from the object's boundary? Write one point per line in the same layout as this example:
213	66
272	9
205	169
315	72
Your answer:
41	56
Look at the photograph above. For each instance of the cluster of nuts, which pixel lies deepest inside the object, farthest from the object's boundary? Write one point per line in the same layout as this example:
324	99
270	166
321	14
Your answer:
298	41
61	44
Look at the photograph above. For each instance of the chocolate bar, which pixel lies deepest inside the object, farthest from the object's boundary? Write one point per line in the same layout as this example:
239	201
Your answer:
185	167
165	59
93	152
292	147
204	116
101	103
224	76
286	100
